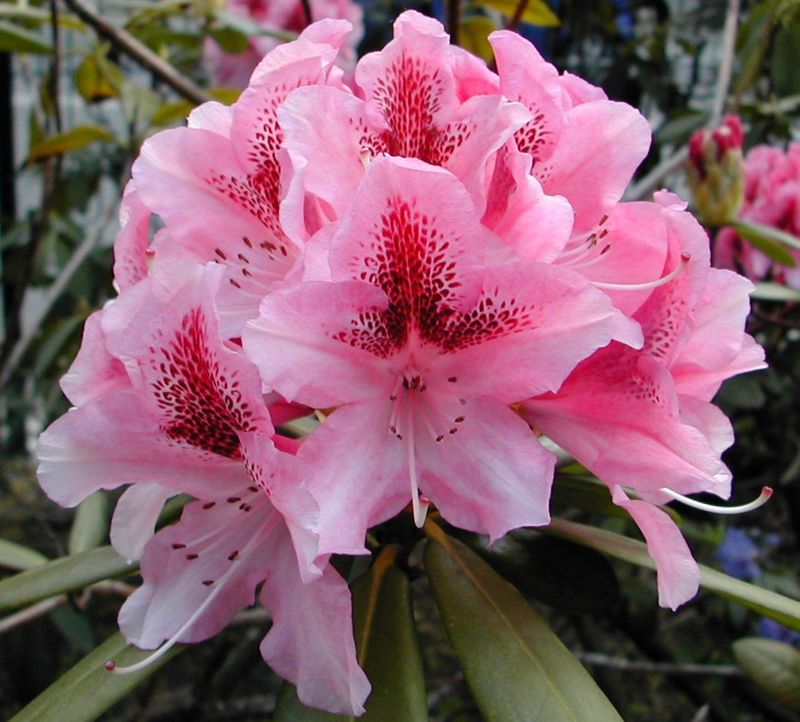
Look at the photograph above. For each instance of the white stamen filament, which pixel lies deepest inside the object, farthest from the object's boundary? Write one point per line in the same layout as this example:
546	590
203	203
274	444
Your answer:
420	509
591	262
762	499
672	275
172	641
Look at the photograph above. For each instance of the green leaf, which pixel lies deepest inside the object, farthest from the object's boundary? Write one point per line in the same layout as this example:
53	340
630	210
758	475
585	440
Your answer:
88	689
60	576
678	128
249	27
771	241
18	557
173	112
90	527
98	78
388	651
770	604
783	63
230	39
765	291
14	39
773	666
74	139
474	36
513	662
537	12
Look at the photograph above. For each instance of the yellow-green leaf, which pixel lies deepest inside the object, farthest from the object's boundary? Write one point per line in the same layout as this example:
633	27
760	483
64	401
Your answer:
90	526
474	36
18	557
60	576
74	139
14	39
516	667
537	12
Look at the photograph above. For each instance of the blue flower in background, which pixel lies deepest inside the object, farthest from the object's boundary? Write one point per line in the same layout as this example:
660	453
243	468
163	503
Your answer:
771	629
738	554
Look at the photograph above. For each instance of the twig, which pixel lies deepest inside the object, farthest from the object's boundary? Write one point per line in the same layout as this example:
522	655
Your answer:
53	294
516	18
652	180
647	667
128	44
726	62
12	621
453	20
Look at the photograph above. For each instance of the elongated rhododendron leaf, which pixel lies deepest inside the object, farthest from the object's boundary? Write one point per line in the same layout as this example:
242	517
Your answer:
60	576
388	651
511	659
88	689
773	666
19	557
771	604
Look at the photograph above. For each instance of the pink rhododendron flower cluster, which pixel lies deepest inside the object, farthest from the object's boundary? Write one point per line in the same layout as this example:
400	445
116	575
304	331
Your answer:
435	259
234	70
772	198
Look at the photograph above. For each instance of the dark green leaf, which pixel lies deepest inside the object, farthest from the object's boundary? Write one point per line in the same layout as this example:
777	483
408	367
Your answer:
388	651
783	65
514	664
567	576
61	575
74	139
773	666
88	689
170	113
775	606
680	127
14	39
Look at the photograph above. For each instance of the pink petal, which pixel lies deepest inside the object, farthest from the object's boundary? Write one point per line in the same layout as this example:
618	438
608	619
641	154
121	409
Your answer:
600	146
531	325
306	327
619	415
311	639
135	517
133	240
488	473
359	474
215	555
94	372
116	440
718	335
678	573
535	225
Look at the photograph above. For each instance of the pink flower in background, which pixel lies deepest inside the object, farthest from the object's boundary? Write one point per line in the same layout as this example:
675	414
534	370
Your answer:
164	405
772	198
234	70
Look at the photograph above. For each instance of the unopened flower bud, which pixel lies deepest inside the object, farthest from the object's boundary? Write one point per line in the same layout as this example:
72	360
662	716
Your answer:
716	172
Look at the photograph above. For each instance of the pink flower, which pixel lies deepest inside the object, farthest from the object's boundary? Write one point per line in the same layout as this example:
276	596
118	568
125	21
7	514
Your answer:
218	185
772	198
234	70
164	405
642	419
422	336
